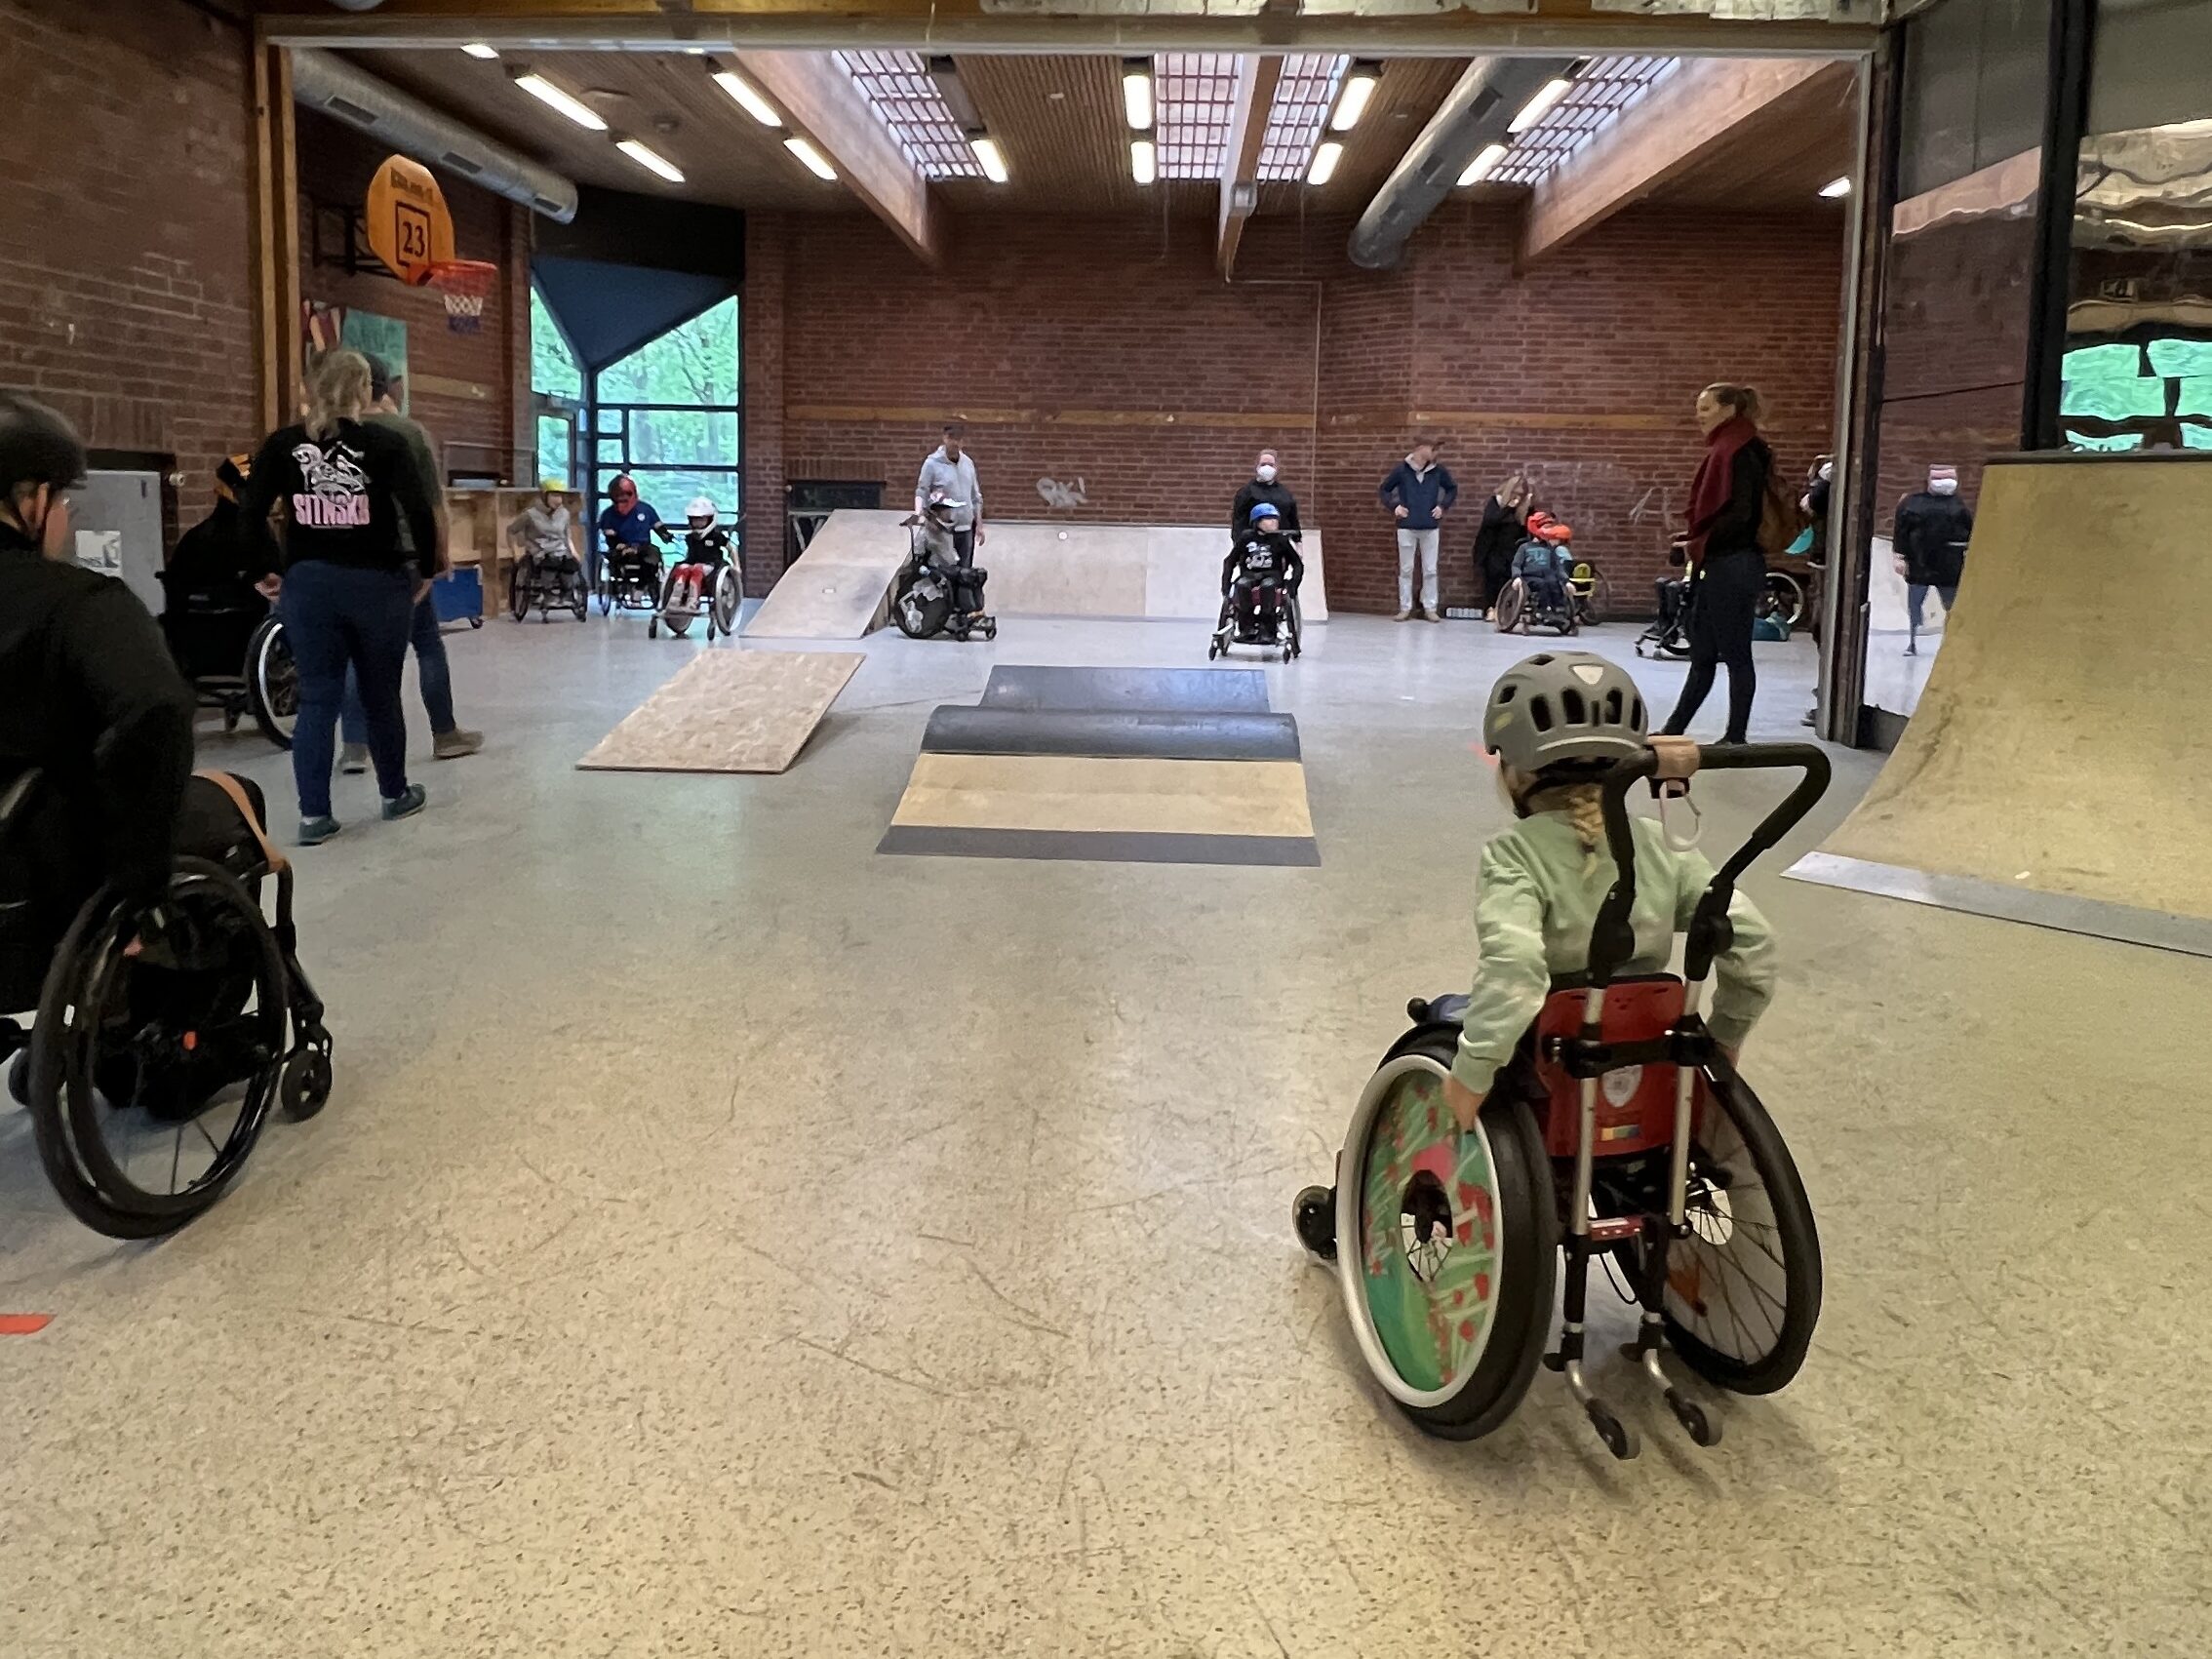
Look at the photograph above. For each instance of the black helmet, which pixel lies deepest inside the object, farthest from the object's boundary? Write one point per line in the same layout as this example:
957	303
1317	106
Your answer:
37	446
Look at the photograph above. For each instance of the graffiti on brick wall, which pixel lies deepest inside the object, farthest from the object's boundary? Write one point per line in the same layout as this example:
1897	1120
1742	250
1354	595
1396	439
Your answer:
1059	494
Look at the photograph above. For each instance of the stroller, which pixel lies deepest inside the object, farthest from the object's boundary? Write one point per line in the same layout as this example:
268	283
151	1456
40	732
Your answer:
164	1037
1259	592
1540	590
222	632
933	593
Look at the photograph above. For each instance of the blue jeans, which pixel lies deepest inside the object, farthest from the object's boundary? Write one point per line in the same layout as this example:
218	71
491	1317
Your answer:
338	617
429	643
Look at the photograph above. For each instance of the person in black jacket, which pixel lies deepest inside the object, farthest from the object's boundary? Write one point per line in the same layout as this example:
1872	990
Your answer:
1929	540
1727	508
89	699
1505	523
1265	485
349	586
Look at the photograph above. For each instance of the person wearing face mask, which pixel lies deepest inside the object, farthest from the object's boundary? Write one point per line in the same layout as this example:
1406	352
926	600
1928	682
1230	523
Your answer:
1265	487
1929	542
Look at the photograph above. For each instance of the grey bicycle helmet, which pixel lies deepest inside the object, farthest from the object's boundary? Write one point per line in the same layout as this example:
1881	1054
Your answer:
37	446
1562	705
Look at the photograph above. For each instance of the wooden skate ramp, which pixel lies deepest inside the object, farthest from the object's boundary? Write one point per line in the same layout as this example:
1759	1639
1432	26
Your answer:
840	587
729	711
2063	745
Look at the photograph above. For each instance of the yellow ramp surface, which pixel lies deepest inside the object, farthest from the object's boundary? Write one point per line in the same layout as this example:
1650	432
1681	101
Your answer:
729	711
1142	796
2064	741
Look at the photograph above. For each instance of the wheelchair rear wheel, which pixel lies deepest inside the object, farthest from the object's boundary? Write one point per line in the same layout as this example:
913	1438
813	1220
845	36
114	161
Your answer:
153	1073
1447	1244
1513	599
520	583
728	595
272	682
1744	1288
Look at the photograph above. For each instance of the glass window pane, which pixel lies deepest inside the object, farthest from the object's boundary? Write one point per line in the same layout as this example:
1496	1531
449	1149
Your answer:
553	368
553	437
694	363
671	492
684	437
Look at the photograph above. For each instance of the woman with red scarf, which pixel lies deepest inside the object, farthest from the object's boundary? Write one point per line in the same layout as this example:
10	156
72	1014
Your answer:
1727	502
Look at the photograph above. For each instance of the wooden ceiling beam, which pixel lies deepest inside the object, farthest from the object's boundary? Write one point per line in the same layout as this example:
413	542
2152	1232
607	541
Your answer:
1257	76
1682	121
825	104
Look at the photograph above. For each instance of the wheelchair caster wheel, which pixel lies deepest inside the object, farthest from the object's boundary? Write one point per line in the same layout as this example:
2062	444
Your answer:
304	1088
1313	1217
1700	1428
476	621
653	629
1619	1438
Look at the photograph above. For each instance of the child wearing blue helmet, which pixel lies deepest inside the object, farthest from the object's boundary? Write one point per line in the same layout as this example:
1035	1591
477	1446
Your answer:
1262	551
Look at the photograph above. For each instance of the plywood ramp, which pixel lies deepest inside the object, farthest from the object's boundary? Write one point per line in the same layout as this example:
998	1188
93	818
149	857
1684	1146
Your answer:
2063	745
838	588
729	711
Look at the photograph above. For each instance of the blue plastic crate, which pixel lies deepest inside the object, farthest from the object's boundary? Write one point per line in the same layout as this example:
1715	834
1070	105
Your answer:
458	595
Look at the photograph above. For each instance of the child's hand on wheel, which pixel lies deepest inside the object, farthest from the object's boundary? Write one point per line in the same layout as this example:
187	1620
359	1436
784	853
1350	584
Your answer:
1466	1105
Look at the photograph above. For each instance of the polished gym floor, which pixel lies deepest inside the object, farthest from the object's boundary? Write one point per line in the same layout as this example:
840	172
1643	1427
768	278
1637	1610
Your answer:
725	1239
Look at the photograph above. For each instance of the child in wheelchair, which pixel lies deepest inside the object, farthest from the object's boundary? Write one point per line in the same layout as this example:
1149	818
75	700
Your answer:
1259	587
707	577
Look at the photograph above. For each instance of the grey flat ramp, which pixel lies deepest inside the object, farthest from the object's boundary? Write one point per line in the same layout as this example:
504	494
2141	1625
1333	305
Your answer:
1191	691
1111	734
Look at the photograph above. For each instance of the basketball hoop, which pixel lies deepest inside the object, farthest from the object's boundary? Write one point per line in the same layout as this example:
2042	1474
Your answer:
464	285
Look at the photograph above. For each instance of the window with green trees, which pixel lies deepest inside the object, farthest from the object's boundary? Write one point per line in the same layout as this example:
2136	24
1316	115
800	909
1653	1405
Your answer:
668	415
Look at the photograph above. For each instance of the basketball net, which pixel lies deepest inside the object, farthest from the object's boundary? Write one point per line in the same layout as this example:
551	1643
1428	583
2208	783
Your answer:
464	285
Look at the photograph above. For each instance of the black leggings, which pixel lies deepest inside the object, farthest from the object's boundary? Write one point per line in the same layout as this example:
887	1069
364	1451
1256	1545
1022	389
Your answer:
1721	611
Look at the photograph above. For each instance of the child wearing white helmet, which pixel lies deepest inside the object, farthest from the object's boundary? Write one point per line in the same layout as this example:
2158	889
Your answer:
706	549
1557	723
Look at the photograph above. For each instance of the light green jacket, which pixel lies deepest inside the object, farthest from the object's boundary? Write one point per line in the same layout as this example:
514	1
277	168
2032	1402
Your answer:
1533	907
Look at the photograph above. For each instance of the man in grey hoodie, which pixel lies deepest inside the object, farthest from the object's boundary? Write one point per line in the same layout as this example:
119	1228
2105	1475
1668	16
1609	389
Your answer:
950	469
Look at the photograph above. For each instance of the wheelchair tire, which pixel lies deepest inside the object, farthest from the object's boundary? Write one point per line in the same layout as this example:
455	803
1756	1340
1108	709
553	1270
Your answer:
66	1108
1451	1323
579	596
1783	598
272	682
728	595
1744	1290
1513	599
518	585
920	619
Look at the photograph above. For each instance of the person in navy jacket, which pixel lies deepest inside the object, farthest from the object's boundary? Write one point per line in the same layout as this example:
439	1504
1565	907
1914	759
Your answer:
1418	492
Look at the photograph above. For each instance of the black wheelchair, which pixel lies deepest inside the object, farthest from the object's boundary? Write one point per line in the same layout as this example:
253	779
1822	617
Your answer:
163	1036
231	646
631	577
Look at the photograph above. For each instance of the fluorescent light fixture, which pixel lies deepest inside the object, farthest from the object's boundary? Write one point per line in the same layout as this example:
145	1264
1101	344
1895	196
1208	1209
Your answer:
987	152
650	160
1836	187
1144	161
1540	104
566	102
1325	157
1352	101
748	97
477	49
1136	93
1484	165
812	157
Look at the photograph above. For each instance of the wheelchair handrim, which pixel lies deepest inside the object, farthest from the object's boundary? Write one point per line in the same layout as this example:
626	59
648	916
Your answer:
1457	1297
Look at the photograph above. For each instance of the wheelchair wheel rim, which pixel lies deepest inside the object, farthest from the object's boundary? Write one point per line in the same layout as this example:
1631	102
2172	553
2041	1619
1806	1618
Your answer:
1727	1281
277	680
1420	1208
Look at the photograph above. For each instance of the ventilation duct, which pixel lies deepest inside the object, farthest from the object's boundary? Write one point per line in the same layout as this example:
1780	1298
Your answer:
332	84
1475	113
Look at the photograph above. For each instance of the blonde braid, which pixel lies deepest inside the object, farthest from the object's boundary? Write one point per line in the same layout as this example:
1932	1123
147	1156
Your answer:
1584	804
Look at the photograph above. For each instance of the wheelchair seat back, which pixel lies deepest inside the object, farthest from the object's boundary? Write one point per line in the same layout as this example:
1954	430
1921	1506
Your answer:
1636	1104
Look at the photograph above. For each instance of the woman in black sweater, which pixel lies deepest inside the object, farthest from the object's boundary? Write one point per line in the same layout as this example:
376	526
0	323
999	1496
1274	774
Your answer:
1727	503
341	487
1505	521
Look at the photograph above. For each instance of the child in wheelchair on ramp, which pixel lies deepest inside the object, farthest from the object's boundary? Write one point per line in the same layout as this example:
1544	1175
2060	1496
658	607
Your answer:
168	1014
1259	588
1576	1100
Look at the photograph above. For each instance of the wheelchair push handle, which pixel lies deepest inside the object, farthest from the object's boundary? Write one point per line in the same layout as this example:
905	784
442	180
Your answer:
1612	939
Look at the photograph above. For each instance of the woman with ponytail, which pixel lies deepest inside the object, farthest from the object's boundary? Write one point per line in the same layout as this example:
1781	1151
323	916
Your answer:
1557	723
1727	508
339	487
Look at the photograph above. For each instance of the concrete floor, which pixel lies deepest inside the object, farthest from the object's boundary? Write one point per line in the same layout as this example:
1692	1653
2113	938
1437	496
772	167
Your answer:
725	1240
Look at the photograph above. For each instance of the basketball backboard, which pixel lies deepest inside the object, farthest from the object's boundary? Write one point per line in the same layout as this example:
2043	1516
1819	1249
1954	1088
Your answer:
409	225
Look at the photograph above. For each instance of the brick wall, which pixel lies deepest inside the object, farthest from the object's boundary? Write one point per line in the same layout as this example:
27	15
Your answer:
471	390
760	352
1107	353
126	277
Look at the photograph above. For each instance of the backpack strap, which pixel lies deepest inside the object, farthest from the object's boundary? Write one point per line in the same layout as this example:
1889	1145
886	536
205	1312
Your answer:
229	785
